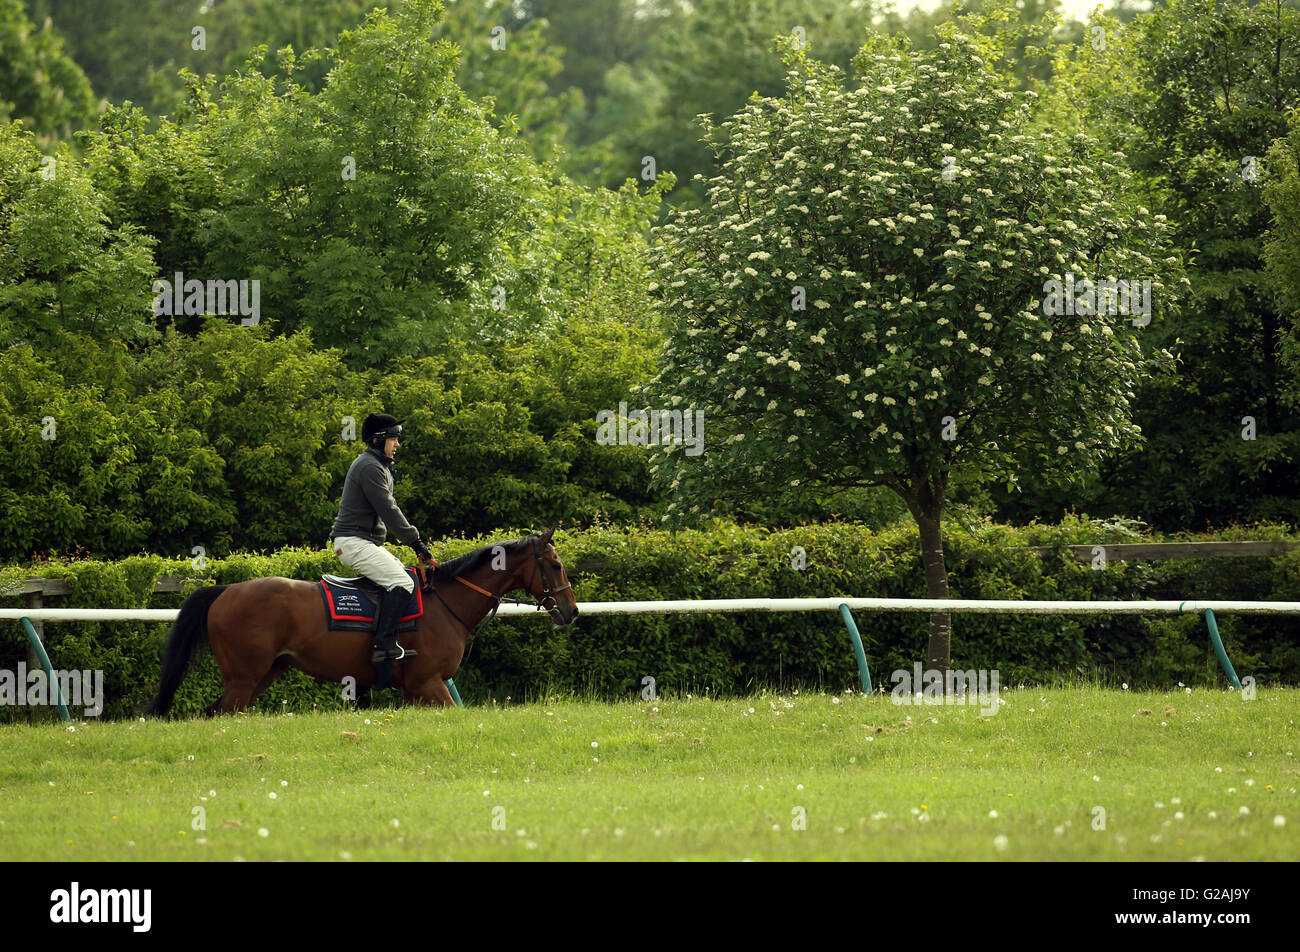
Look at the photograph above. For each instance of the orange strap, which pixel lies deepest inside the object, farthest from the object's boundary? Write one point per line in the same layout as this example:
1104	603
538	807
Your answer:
419	570
476	588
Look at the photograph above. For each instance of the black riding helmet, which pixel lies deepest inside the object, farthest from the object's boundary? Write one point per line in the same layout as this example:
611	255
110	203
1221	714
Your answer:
380	425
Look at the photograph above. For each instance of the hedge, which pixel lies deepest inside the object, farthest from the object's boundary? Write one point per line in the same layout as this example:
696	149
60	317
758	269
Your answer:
607	656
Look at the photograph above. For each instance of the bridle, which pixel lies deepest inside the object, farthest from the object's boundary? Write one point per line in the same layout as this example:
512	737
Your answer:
548	594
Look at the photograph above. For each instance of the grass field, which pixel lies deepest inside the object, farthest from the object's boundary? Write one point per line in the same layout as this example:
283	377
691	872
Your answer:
1180	777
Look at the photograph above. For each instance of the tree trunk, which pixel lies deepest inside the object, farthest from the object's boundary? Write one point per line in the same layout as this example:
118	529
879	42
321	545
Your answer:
936	585
926	504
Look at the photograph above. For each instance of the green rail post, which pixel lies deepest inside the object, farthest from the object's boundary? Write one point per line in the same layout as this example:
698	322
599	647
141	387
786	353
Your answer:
455	695
863	672
49	668
1218	647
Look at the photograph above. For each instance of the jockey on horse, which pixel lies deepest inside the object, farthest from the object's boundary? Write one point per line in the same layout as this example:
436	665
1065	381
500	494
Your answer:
367	511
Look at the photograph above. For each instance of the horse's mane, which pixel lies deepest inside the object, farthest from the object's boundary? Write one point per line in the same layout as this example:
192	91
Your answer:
454	568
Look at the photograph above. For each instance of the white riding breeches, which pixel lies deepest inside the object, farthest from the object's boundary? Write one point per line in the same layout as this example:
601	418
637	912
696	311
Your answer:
373	561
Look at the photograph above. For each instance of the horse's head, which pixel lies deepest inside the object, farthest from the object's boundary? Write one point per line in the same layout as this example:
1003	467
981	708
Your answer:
547	582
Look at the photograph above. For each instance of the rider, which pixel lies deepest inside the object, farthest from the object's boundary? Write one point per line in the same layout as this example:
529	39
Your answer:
366	512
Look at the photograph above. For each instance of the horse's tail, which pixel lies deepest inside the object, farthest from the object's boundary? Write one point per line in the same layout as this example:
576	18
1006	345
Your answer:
191	626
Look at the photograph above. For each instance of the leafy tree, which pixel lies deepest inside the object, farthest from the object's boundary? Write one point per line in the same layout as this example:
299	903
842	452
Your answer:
91	467
712	61
1193	95
515	72
866	301
598	34
39	82
384	213
1282	242
62	265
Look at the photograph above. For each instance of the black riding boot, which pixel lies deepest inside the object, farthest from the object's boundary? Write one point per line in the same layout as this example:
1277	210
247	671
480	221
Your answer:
386	647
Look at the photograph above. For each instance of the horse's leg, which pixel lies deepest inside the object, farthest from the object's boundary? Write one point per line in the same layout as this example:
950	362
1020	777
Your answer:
280	666
239	694
247	649
432	690
211	709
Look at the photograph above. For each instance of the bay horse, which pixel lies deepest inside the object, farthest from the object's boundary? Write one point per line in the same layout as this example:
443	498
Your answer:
260	628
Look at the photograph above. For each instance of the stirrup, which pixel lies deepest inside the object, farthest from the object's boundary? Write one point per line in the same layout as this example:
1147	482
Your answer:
394	653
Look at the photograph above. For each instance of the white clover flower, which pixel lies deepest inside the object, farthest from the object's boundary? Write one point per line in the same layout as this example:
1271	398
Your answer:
800	412
889	401
858	414
871	397
794	364
819	303
843	378
751	272
771	404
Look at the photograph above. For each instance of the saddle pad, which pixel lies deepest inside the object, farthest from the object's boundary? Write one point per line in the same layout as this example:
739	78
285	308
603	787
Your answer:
349	608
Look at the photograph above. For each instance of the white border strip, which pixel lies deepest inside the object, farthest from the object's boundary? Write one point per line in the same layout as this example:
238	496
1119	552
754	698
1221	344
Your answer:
707	606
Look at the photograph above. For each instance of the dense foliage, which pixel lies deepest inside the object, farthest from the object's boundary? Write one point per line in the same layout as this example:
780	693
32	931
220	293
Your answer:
238	439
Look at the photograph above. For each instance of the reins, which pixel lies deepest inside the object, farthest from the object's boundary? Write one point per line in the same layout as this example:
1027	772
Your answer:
430	583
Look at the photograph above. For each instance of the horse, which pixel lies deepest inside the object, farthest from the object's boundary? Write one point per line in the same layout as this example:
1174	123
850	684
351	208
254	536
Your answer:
260	628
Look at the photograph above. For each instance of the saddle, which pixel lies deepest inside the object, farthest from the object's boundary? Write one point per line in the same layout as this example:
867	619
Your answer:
352	604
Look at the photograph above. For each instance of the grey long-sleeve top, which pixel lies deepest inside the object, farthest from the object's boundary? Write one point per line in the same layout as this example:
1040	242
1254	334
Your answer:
367	508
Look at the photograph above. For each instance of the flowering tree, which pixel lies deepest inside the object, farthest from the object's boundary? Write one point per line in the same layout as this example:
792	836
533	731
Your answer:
879	292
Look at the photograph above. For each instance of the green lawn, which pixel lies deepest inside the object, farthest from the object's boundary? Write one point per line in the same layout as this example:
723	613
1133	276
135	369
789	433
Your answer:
676	778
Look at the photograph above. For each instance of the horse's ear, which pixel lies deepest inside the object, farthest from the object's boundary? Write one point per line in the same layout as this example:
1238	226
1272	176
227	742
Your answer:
546	536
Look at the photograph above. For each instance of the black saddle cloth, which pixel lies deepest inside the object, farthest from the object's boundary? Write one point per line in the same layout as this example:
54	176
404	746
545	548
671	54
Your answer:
352	604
